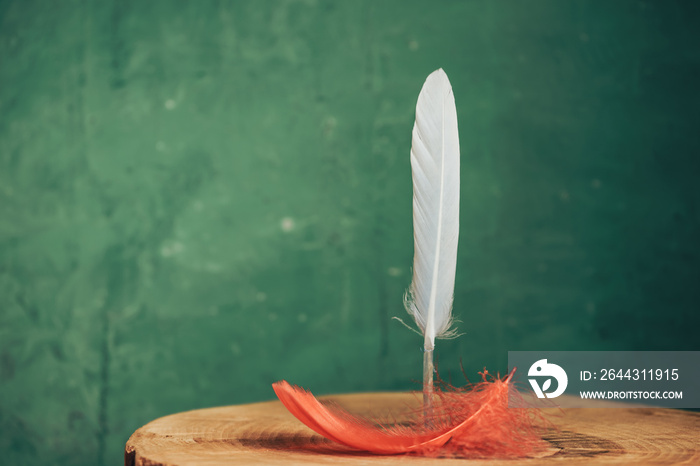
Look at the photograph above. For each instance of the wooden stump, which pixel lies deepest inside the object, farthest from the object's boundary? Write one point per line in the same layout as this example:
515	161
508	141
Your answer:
265	433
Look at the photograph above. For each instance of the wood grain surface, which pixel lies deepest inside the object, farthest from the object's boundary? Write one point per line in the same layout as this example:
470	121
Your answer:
265	433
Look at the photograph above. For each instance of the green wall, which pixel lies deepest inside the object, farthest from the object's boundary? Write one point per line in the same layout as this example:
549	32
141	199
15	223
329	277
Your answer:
200	198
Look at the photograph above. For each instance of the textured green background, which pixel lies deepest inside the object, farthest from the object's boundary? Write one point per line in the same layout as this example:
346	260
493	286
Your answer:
200	198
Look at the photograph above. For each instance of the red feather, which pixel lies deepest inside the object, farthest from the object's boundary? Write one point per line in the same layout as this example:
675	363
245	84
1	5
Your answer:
474	421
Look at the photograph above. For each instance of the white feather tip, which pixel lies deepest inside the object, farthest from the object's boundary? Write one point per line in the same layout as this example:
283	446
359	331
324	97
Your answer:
435	168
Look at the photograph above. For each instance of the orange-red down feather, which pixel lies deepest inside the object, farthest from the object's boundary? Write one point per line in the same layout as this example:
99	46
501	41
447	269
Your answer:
474	421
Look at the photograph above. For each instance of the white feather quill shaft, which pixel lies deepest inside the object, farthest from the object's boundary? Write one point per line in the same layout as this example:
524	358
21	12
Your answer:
435	167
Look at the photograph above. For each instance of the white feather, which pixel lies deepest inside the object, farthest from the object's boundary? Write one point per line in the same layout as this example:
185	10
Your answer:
435	166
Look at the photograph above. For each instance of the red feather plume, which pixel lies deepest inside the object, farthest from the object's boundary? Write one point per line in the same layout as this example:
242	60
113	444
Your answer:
473	421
